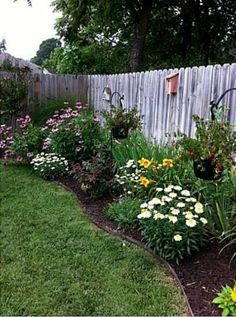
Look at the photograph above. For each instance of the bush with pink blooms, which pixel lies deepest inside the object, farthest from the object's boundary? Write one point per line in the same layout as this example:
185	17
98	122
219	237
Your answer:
74	133
25	142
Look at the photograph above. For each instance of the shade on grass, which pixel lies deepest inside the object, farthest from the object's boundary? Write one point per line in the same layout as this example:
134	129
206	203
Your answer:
55	262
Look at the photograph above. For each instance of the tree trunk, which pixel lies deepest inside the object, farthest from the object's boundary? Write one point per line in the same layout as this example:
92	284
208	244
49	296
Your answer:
141	23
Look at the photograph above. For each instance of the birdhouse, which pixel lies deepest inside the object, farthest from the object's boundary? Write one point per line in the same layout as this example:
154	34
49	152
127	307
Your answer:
107	93
172	83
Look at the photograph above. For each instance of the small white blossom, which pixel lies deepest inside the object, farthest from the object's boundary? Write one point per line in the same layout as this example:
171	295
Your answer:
177	237
191	222
185	192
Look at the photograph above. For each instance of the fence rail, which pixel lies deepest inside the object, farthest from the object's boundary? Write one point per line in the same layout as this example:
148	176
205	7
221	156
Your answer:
163	113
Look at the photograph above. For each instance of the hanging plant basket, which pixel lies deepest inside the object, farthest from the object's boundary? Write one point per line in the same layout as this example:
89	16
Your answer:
207	170
120	132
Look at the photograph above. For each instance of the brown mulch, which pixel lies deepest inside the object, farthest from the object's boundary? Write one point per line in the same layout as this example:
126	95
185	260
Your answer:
202	275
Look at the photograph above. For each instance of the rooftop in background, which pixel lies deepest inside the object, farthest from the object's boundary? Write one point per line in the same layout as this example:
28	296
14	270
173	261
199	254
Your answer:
19	62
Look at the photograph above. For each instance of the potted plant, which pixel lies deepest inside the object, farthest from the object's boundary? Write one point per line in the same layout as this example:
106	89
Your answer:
211	149
121	121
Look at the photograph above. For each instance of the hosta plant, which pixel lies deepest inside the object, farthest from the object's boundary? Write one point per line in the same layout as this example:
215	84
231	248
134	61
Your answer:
173	223
226	300
50	166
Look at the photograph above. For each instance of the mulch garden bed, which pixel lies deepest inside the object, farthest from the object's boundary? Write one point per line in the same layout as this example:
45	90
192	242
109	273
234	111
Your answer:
201	275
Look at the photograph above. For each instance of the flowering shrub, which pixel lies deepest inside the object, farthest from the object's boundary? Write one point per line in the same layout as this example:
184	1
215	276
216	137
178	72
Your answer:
95	176
6	139
73	133
28	140
226	300
173	222
50	166
141	178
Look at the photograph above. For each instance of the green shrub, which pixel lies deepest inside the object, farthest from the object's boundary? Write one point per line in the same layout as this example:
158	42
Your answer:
124	212
27	140
14	82
95	175
76	135
226	300
173	223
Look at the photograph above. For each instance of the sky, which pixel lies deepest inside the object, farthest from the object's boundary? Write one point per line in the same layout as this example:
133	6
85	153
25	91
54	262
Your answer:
24	28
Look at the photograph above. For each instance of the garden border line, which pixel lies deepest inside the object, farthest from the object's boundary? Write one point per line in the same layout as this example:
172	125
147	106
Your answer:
122	236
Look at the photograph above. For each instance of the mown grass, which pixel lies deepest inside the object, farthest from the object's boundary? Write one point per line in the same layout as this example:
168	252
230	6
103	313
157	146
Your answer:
55	262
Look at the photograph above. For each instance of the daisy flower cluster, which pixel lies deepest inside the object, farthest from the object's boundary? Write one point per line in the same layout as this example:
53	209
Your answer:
50	166
174	214
129	176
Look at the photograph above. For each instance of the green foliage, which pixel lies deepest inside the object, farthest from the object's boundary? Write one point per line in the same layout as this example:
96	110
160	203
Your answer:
184	34
215	140
28	143
220	198
173	223
78	138
124	212
14	84
45	49
46	110
119	116
226	300
95	176
50	166
230	242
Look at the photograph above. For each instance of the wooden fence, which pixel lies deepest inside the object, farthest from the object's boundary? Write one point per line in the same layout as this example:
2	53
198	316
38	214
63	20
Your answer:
162	113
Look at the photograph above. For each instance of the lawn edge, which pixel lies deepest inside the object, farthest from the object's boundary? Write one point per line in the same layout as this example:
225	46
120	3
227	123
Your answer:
123	236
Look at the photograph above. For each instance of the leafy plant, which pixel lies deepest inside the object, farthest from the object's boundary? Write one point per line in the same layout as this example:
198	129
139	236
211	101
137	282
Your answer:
27	140
119	116
226	300
14	83
50	166
173	223
95	176
230	240
74	133
124	212
215	142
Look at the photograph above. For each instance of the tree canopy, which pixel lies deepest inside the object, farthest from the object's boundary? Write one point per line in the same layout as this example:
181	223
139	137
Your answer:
105	36
45	49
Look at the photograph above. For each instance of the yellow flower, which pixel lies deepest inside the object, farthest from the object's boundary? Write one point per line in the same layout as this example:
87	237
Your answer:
167	162
144	162
144	181
233	293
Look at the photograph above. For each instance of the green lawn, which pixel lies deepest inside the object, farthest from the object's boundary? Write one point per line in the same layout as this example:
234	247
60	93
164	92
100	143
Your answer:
56	262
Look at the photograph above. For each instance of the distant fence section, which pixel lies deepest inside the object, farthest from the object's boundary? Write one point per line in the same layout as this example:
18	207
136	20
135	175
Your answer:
47	87
162	112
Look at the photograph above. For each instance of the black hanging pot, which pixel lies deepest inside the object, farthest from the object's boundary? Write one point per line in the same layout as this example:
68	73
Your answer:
120	132
206	169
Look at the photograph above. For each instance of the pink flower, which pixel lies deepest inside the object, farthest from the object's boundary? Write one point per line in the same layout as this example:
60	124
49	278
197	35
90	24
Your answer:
19	158
2	145
29	154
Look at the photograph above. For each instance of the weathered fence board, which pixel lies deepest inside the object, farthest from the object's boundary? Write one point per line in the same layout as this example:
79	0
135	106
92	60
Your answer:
162	113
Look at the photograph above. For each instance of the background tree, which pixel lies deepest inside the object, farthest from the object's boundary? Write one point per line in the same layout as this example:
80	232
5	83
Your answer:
45	49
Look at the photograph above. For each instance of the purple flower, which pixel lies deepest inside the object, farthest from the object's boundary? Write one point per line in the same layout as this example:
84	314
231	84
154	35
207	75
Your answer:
2	145
29	154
